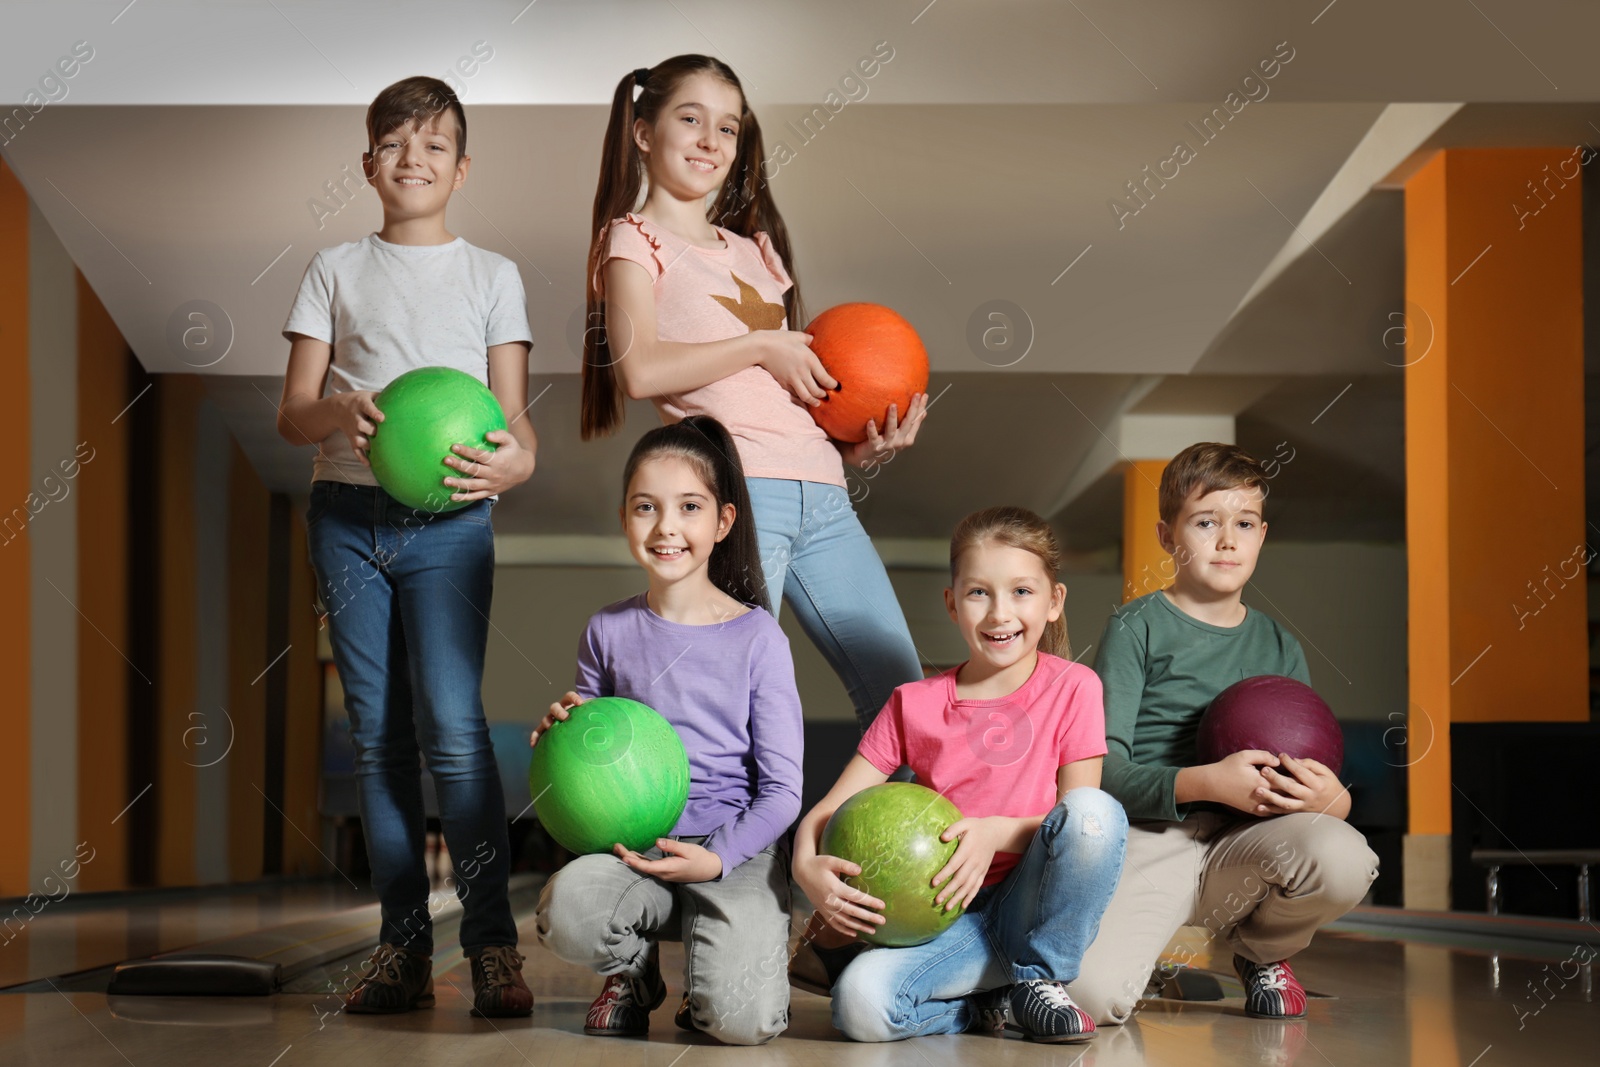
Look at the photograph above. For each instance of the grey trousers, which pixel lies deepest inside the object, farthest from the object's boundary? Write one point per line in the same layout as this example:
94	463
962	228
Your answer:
600	913
1263	886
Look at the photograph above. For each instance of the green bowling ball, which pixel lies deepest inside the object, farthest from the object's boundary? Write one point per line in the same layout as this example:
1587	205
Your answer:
425	411
615	771
892	831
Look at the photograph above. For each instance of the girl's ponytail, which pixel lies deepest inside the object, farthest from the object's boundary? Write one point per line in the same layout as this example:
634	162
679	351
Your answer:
616	194
1054	639
736	561
745	206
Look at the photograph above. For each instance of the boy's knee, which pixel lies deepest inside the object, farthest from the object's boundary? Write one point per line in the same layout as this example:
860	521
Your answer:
376	755
1109	1000
460	758
1349	881
1345	864
1105	1007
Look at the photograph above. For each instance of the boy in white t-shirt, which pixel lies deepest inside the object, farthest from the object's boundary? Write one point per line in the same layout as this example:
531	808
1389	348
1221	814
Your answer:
407	590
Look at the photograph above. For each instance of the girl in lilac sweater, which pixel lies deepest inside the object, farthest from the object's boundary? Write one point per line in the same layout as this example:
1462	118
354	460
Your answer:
700	647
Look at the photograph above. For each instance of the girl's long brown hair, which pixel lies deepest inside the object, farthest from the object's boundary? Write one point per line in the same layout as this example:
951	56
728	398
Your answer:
743	205
1016	528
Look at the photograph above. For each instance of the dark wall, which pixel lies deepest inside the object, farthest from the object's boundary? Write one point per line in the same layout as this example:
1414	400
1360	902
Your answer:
1523	786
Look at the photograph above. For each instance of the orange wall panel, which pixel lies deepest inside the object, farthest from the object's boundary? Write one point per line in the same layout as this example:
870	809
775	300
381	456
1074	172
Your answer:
1494	452
15	428
1146	567
102	487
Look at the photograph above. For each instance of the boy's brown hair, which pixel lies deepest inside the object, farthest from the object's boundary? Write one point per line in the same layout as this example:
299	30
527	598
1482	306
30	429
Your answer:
1208	466
419	99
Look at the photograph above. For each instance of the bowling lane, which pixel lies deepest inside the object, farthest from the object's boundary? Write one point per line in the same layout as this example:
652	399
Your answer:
83	932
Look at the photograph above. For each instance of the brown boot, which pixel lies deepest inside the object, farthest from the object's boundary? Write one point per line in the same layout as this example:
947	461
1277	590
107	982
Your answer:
497	986
396	980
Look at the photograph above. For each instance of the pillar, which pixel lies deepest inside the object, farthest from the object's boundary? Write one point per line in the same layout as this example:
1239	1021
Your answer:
1495	520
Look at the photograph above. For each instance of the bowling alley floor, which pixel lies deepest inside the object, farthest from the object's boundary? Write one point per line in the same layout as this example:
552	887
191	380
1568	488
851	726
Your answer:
1439	994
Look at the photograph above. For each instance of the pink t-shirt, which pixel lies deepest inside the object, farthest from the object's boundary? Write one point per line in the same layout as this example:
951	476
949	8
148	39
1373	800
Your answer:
711	294
992	757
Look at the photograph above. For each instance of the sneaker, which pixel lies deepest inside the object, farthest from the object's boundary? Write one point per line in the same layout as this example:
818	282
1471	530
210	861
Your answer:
683	1019
815	969
1271	990
1042	1011
991	1010
624	1005
497	986
395	980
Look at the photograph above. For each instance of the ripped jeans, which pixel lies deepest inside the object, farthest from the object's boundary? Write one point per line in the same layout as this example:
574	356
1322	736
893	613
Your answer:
1036	923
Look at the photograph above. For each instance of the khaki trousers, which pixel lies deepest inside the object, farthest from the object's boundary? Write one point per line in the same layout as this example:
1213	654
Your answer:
1262	886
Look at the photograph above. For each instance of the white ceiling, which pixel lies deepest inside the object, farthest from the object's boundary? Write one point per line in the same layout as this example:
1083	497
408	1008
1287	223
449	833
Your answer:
979	167
946	51
933	210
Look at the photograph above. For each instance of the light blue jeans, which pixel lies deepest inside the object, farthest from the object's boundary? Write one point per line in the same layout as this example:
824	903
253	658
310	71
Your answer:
1036	923
816	556
407	595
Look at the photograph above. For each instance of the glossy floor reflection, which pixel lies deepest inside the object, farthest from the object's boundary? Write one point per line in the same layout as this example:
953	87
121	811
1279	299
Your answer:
1389	1002
79	933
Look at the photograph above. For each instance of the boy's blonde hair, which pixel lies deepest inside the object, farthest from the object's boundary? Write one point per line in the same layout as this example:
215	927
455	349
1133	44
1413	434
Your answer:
419	99
1016	528
1208	466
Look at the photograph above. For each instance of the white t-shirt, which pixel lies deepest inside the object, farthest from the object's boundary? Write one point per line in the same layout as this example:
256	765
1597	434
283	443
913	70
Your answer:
388	308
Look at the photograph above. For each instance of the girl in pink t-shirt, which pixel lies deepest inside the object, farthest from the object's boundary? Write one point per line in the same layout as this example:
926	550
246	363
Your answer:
1013	737
697	311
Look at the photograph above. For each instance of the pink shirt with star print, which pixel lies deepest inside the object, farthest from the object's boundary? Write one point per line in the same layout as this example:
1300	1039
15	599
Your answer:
710	294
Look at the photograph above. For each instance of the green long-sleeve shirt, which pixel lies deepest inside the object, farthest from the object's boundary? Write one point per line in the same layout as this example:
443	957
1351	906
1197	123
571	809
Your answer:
1160	668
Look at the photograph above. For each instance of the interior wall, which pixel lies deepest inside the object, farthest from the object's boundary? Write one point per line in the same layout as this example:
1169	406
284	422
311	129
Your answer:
1344	602
116	560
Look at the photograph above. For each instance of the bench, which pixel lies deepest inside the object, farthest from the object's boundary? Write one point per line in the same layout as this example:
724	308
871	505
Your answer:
1495	858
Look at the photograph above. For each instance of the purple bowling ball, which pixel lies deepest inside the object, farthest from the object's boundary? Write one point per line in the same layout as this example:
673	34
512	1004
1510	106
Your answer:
1274	713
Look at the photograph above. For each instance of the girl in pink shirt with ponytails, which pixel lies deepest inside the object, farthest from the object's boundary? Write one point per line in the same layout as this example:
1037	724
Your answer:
1014	738
701	315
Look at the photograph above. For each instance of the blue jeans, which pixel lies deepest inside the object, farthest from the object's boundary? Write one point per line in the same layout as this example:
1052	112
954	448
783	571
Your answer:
816	556
1035	924
407	595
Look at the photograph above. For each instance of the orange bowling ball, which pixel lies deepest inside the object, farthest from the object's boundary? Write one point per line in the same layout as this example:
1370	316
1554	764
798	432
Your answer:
878	360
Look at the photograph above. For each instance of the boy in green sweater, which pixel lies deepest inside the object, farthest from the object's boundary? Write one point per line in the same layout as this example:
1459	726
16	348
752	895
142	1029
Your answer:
1253	847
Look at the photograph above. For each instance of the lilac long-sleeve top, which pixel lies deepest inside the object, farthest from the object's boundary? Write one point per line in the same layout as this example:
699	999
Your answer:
728	689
